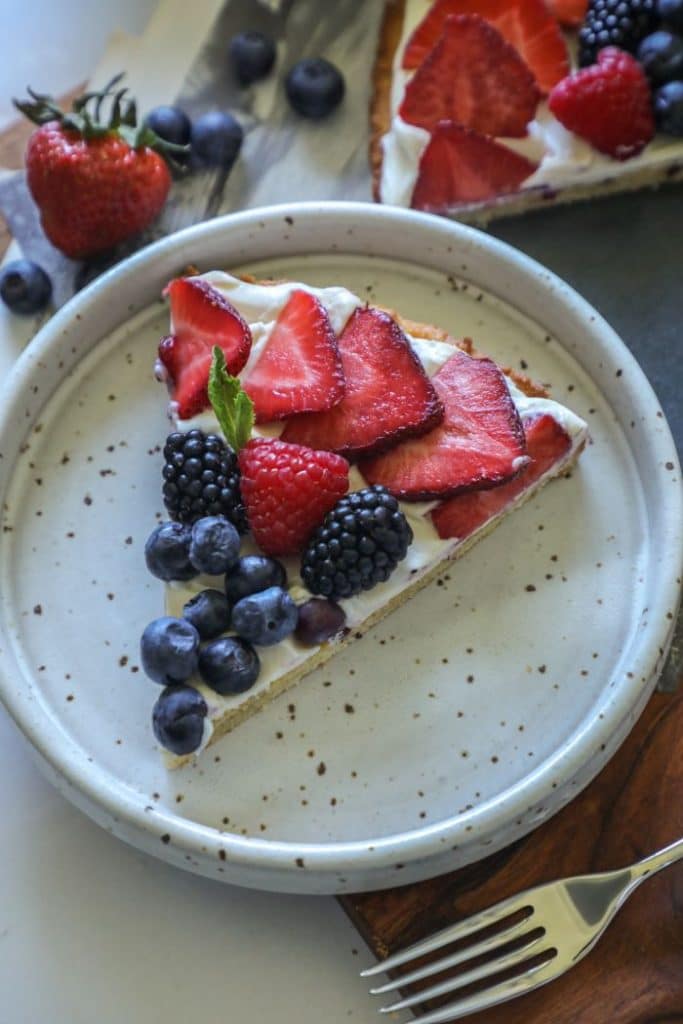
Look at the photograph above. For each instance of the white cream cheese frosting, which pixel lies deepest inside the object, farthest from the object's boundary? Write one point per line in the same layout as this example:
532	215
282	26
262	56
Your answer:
563	158
260	306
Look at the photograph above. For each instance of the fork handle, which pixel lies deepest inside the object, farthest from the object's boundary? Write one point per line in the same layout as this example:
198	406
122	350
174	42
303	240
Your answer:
656	861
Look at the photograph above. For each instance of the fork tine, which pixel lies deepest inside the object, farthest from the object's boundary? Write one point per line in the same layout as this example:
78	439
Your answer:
502	963
485	946
535	977
451	934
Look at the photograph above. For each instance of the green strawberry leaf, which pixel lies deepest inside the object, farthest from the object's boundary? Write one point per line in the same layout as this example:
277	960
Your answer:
233	407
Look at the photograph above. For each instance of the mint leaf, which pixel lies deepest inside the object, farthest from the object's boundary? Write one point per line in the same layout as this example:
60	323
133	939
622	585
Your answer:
233	407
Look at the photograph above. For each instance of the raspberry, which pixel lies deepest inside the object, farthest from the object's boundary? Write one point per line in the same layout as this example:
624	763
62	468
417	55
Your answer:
608	104
287	489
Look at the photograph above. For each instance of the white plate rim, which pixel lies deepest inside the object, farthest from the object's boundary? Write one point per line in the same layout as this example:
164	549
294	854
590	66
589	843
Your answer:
92	788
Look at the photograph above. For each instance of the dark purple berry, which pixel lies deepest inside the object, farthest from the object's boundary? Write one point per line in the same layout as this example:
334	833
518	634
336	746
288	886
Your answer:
178	719
314	87
25	287
319	620
252	55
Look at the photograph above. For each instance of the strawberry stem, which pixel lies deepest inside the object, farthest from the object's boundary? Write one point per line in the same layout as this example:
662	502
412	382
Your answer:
86	117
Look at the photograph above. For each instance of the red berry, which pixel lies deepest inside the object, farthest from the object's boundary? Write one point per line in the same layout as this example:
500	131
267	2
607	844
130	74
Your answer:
480	443
547	445
609	104
460	166
526	24
388	395
201	317
474	77
288	489
300	368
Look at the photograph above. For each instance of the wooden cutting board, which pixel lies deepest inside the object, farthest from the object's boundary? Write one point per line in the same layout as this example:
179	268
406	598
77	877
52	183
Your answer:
634	806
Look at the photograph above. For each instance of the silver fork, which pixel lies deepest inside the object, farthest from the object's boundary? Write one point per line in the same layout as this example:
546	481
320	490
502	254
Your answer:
563	921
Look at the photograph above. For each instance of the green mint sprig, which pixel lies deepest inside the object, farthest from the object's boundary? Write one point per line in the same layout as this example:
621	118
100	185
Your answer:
233	407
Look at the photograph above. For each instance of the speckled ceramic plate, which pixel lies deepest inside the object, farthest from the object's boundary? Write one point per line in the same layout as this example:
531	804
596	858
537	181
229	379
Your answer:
472	714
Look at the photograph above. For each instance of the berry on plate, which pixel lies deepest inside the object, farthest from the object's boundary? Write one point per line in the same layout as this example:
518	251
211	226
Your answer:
167	552
251	574
171	124
25	287
287	489
169	649
479	444
621	23
527	25
319	620
216	140
608	104
461	166
661	57
314	87
265	618
671	13
214	545
252	55
388	395
178	719
202	318
669	108
299	369
229	665
358	545
201	478
547	443
95	183
474	77
209	613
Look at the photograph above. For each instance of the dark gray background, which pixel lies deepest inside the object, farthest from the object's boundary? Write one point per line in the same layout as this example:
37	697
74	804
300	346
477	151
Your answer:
625	256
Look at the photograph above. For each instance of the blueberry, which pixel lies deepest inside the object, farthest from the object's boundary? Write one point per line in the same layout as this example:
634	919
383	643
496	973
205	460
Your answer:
178	719
169	650
167	552
216	139
229	665
661	56
251	574
671	13
209	613
669	108
265	618
314	87
171	124
25	287
319	620
215	545
252	55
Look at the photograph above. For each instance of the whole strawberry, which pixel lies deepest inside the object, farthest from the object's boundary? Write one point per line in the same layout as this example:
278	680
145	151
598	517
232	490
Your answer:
95	183
608	104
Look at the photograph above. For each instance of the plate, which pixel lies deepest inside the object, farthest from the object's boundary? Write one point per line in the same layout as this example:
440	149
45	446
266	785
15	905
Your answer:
471	714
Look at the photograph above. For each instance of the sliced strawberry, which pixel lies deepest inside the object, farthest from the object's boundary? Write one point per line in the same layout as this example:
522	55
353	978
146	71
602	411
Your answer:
527	25
568	12
300	368
202	317
479	444
388	394
472	76
547	443
459	166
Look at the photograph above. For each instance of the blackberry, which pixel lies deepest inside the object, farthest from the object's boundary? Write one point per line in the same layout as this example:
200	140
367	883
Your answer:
201	478
621	23
359	544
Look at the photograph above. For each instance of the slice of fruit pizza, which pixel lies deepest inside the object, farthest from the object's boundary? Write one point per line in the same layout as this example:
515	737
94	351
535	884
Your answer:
489	107
329	459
